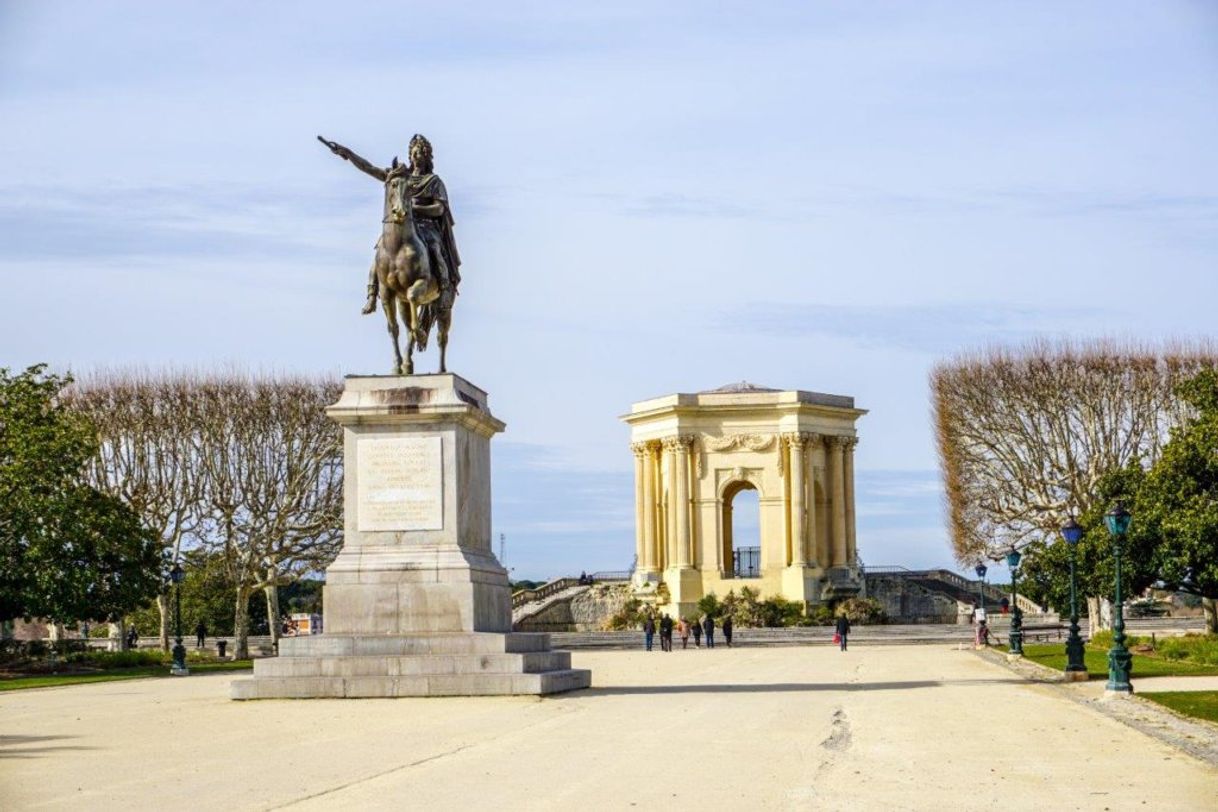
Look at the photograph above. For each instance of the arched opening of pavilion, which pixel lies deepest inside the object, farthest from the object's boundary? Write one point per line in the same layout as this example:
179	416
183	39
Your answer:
742	529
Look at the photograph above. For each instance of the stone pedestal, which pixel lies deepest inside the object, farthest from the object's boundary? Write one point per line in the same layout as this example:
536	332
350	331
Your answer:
416	603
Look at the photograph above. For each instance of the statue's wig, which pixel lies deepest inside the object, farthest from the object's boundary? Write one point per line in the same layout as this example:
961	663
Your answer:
425	147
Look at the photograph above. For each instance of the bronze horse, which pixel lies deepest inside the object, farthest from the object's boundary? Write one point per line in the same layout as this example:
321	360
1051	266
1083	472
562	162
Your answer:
406	282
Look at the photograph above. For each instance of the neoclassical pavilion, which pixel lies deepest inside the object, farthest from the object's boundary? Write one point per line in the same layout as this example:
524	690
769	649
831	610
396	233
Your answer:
695	453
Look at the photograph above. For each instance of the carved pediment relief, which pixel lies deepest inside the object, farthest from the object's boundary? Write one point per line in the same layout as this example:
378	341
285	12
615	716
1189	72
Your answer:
739	442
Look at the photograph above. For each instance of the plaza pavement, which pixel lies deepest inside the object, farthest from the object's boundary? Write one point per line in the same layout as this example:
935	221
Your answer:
879	727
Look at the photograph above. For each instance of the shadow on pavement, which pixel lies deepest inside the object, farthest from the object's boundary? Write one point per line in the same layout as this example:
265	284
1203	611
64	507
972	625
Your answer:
7	749
778	687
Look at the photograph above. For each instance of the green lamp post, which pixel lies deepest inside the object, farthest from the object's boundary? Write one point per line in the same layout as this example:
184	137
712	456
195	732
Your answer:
1120	661
1016	636
1076	667
178	669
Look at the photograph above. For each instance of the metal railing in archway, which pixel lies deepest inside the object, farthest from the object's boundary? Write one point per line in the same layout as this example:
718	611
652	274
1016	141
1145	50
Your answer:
746	562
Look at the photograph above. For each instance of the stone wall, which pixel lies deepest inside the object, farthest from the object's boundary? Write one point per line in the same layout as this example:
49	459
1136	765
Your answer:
592	609
586	611
908	602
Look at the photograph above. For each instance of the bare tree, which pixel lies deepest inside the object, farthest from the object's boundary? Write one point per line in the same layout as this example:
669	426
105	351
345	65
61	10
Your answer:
271	466
146	453
1025	434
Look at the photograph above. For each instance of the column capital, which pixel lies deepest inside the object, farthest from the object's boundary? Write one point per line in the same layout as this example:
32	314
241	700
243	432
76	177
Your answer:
639	449
838	440
797	439
678	443
851	442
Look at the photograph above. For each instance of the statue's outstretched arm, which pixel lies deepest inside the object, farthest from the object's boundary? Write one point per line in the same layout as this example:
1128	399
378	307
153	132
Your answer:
362	164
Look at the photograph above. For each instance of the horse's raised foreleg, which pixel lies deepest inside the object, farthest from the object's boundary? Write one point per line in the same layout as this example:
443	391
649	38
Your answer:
391	321
419	294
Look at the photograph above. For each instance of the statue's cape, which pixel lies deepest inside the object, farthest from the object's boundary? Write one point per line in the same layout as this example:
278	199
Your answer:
430	186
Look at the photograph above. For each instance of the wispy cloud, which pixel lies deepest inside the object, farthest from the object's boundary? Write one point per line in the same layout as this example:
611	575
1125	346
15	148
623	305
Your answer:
932	328
221	220
831	199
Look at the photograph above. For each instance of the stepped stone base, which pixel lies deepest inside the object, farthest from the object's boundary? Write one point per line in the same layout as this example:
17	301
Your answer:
452	664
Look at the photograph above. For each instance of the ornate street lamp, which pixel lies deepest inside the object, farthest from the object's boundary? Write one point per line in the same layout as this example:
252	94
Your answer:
1016	636
179	668
1076	667
980	569
1120	661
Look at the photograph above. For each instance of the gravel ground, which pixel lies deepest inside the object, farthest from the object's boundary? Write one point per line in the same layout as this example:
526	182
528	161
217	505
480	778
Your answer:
878	727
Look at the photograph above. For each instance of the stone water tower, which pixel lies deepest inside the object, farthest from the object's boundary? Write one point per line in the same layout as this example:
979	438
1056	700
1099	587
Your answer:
695	453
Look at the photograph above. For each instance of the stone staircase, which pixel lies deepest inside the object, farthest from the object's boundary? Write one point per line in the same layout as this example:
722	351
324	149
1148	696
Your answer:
543	600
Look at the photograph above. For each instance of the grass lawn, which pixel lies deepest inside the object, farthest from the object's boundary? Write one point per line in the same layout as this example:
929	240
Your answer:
1053	655
1198	704
140	672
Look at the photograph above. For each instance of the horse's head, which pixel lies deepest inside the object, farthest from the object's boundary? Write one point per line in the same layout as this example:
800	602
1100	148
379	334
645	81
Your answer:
397	197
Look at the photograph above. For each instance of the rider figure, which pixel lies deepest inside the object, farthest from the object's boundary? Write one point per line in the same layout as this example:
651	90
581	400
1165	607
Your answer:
433	219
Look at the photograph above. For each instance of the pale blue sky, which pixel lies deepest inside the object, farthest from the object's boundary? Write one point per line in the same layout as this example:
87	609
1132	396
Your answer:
649	198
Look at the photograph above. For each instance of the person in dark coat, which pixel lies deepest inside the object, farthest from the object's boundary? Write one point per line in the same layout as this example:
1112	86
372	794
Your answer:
133	637
649	630
666	633
843	630
708	629
696	628
200	634
727	630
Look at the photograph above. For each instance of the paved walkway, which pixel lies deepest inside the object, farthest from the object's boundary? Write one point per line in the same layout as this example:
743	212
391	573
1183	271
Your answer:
907	727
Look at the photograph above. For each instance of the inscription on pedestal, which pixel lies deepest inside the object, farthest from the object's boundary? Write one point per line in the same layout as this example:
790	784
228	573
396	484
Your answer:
399	480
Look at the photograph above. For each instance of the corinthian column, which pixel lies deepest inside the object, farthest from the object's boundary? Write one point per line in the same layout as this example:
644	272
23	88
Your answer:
848	468
649	509
838	506
679	497
640	502
795	442
813	555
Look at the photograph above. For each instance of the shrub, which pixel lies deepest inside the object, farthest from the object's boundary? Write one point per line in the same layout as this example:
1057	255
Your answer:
863	611
776	612
629	616
709	605
1195	648
1103	639
121	659
822	615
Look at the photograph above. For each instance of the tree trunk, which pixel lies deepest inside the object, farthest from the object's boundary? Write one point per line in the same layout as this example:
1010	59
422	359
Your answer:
1099	615
118	636
1210	607
162	606
55	631
241	625
272	611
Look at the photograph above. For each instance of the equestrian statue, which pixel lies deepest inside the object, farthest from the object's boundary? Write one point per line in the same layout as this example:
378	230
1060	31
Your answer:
415	271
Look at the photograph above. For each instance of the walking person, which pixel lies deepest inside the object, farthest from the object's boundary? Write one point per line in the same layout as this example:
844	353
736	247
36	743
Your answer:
133	637
708	629
696	628
200	634
649	630
842	630
666	633
683	630
727	630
